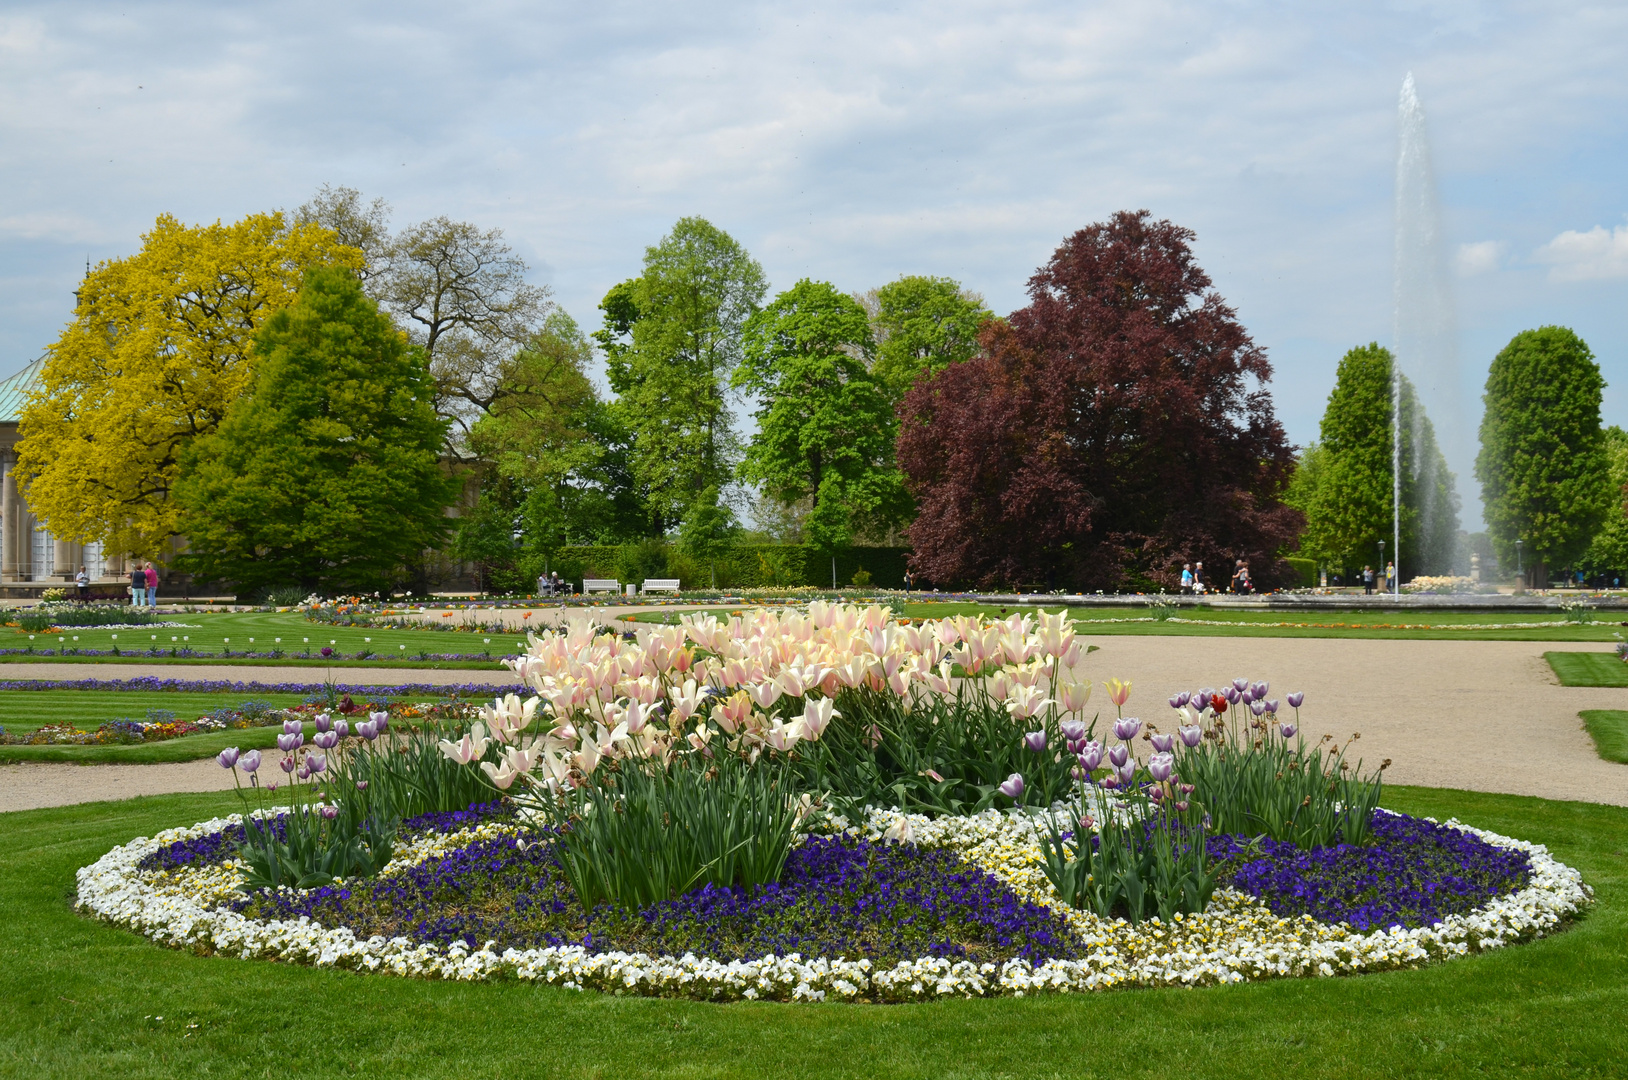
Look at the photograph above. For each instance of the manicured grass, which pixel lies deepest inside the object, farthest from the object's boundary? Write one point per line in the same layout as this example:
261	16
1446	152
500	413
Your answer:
1588	668
238	661
25	710
82	999
1609	730
1420	625
186	748
208	631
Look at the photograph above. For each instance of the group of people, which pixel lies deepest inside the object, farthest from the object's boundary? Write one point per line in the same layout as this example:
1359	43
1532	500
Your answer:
143	585
1193	584
1368	580
551	584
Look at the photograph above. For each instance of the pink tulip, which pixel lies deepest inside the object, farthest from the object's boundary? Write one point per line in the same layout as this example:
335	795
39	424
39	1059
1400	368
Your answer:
1013	787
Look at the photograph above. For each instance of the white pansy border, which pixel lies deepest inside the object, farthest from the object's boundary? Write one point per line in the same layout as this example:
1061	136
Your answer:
1236	939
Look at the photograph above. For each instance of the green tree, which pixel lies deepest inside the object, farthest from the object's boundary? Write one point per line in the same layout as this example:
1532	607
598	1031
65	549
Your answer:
826	426
1609	551
921	325
1346	490
326	474
671	338
707	530
1545	477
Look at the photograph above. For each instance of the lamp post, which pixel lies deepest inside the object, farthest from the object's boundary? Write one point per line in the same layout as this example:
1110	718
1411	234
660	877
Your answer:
1520	567
1379	571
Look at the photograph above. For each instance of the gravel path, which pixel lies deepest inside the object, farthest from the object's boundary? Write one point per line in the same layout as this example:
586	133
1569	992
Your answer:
1487	716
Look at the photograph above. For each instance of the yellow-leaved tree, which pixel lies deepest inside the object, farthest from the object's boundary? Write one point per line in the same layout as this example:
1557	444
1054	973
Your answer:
158	349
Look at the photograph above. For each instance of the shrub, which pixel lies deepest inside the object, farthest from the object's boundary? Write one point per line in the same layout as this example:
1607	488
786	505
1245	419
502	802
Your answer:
862	578
43	618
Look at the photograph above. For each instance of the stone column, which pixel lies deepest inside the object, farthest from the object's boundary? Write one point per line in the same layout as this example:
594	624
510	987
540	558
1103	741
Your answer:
8	523
63	563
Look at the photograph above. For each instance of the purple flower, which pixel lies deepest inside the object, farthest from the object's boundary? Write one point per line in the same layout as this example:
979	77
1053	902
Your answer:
326	739
323	721
1257	707
304	771
1013	787
1073	730
342	726
1191	734
289	743
1090	755
1035	740
326	651
287	764
250	762
328	812
1240	685
1127	728
381	720
361	785
1288	730
1232	694
1294	699
1161	765
1118	754
368	730
1127	772
1258	691
316	762
227	757
291	727
1272	705
1163	743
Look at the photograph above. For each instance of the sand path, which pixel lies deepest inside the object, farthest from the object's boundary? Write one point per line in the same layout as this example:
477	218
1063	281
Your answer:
1486	716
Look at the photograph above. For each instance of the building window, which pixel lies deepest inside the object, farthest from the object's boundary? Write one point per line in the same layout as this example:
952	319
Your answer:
44	555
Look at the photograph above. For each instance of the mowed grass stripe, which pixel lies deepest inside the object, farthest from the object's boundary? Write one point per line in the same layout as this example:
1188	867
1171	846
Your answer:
25	710
1588	668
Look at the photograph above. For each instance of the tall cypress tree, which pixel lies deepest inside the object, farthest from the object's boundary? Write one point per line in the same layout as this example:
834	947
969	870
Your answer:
1351	505
1544	472
327	475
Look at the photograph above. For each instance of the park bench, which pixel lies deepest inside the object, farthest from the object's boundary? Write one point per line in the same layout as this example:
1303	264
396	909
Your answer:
593	585
660	584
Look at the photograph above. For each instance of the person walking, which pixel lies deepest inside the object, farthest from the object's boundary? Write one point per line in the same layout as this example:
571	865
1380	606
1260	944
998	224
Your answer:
1367	581
1198	579
150	575
1244	585
82	580
1186	578
1390	577
138	585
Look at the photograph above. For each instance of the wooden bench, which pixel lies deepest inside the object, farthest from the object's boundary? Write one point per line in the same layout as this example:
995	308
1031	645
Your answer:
593	585
660	584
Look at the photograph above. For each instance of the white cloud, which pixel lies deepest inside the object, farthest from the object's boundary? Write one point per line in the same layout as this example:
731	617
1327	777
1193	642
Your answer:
1587	256
1481	257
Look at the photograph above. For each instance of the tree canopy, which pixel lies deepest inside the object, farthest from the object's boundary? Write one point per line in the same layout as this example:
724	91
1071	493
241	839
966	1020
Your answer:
327	473
1609	549
156	354
1348	499
1113	428
1545	477
922	325
826	426
672	338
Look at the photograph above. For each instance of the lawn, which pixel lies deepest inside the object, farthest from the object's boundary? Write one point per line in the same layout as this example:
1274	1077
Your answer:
1609	730
1588	668
80	999
263	631
1209	622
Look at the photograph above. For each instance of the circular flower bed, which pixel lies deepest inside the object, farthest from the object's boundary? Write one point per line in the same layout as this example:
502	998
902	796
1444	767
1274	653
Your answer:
894	907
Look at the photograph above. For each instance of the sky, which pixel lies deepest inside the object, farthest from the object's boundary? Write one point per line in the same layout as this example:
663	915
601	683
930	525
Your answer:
857	142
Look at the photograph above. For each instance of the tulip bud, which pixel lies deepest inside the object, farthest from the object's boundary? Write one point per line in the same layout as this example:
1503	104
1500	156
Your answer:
227	757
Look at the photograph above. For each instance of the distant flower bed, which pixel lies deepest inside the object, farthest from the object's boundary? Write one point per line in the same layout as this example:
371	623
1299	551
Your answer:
362	691
961	909
161	725
326	653
45	616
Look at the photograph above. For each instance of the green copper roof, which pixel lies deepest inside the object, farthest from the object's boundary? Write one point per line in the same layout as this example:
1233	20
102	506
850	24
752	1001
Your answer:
12	391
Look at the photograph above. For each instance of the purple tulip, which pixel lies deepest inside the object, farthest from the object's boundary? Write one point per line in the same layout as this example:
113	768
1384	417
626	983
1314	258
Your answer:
1118	755
1156	794
326	739
342	727
1191	734
287	764
368	730
1232	694
1078	773
1090	755
1073	730
1127	728
1163	743
1259	690
1182	806
291	727
1013	787
1035	740
328	812
1257	707
1127	772
1240	685
1183	698
1272	705
326	651
1288	730
227	757
323	721
381	720
316	762
289	743
361	785
303	772
1110	781
1176	701
1205	695
1161	765
249	762
1294	699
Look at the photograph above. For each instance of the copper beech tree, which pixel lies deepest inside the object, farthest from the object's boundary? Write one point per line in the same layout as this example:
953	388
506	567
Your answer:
1114	428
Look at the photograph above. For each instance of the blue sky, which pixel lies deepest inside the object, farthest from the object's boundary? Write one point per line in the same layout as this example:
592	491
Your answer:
856	142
